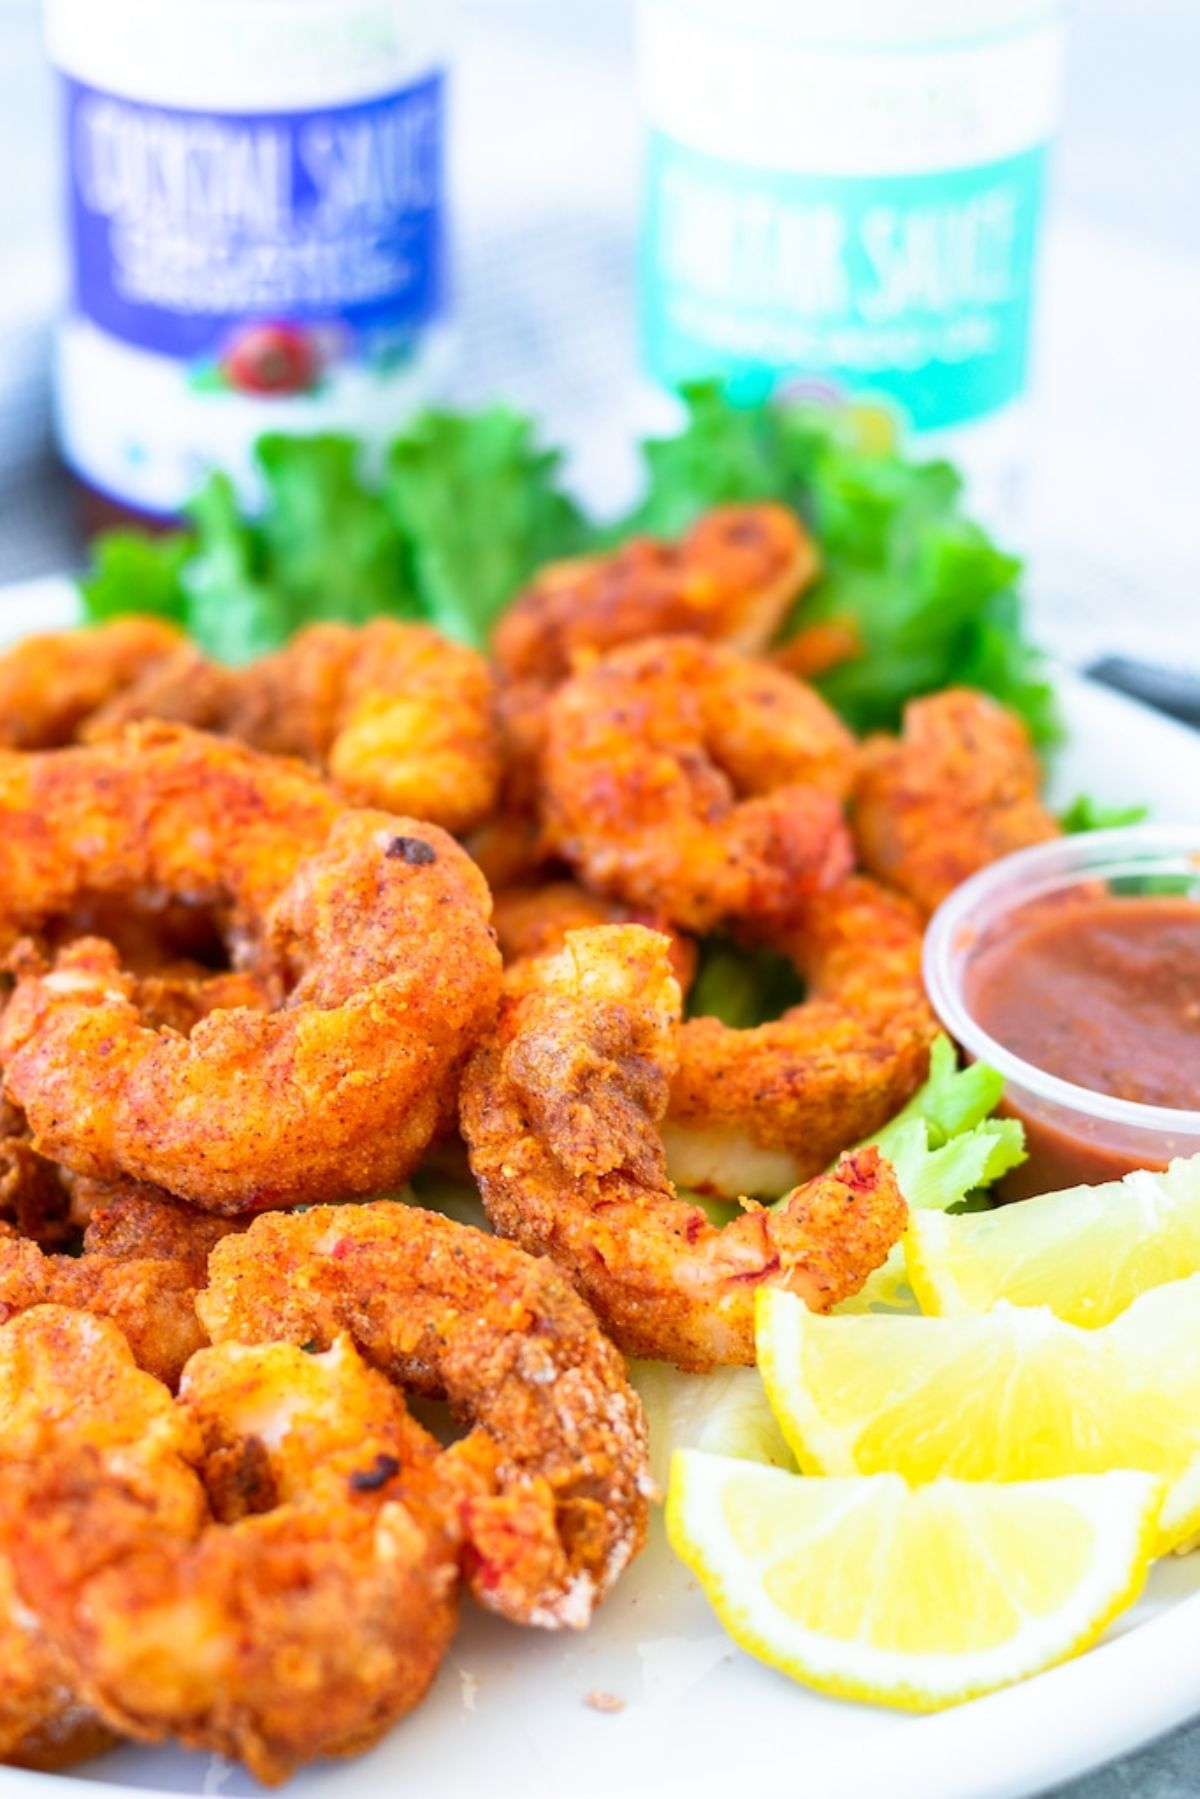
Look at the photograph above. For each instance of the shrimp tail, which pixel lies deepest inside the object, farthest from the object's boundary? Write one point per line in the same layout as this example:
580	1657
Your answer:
830	1233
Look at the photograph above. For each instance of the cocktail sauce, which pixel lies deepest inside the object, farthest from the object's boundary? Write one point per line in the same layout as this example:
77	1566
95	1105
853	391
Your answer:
1103	991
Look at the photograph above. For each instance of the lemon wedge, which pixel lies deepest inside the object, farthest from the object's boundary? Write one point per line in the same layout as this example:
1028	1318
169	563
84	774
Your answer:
1006	1395
916	1598
1087	1253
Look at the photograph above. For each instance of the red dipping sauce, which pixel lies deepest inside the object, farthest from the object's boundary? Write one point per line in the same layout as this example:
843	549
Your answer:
1086	996
1101	991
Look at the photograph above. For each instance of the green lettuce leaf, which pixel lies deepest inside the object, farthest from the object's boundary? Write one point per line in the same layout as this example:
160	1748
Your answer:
944	1144
1087	814
947	1152
132	572
468	505
479	506
723	454
950	1100
930	597
742	987
331	547
951	1176
234	609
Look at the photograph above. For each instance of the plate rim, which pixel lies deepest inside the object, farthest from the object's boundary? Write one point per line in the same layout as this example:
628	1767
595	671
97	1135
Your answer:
943	1756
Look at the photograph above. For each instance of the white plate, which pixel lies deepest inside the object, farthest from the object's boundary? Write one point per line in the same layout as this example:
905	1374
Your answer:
508	1716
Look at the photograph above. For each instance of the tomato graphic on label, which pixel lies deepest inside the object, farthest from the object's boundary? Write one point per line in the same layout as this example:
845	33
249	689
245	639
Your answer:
272	359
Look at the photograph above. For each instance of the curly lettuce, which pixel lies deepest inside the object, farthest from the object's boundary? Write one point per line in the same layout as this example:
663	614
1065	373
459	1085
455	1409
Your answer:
464	507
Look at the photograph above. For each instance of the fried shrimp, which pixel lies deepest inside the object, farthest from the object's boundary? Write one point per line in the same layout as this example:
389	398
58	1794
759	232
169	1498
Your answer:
162	811
33	1196
687	779
397	715
151	1301
562	1108
42	1724
511	850
731	579
131	1223
50	684
756	1111
143	1261
959	789
556	1453
51	1376
268	1571
345	919
536	921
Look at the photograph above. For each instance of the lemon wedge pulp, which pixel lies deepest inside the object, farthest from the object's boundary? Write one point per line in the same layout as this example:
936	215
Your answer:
1087	1253
917	1598
1010	1394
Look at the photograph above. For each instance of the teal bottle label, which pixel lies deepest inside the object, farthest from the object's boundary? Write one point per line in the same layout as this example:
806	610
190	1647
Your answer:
910	287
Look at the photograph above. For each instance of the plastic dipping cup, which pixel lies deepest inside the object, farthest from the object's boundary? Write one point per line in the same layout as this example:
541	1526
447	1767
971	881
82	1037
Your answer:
849	197
1074	1135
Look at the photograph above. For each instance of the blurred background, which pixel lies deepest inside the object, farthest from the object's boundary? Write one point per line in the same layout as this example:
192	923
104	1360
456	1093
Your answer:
546	145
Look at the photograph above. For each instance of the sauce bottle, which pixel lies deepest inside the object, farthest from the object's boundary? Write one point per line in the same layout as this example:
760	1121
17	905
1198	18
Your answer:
847	197
256	232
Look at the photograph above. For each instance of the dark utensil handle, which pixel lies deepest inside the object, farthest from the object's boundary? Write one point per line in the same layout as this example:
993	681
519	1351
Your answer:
1166	689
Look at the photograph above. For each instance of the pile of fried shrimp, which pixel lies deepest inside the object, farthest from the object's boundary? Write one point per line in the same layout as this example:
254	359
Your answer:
277	938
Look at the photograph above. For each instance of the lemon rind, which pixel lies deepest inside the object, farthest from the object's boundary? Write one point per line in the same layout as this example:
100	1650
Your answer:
822	1450
1168	1205
910	1693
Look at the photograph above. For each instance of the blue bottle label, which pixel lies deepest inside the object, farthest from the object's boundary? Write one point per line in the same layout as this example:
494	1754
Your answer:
915	287
238	272
187	224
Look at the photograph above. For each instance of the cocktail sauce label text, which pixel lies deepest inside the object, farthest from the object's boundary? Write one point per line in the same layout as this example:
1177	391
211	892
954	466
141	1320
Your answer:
186	223
256	231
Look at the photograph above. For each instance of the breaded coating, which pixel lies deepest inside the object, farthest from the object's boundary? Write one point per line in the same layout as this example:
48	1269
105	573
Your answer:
270	1573
756	1111
55	1375
958	790
556	1453
143	1259
685	778
152	1302
370	931
42	1722
34	1198
178	996
50	684
398	716
164	811
129	1224
562	1109
511	850
730	579
46	1202
535	921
